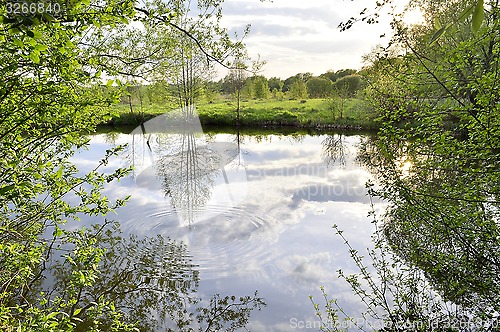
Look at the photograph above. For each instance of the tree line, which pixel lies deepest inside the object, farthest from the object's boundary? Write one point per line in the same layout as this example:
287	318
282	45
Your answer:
299	86
345	82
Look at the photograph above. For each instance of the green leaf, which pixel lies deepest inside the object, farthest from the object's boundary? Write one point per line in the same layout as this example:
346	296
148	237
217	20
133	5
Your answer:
109	83
25	184
52	315
59	173
36	34
14	31
41	47
465	13
18	42
478	16
57	232
6	189
35	56
438	34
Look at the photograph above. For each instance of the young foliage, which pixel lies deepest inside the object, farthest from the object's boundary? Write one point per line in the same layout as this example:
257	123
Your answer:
435	164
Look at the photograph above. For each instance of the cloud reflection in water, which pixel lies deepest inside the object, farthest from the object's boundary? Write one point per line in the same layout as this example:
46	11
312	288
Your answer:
277	236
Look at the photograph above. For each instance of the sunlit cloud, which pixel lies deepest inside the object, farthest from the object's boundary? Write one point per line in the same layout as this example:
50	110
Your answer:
303	36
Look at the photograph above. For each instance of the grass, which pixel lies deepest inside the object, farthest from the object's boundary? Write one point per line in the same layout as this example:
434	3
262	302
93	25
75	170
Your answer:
310	113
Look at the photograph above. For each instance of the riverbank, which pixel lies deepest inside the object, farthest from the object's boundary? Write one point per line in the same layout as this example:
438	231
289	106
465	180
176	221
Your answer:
309	114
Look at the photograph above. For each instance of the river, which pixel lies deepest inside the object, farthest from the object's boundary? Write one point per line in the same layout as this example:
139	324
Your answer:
254	212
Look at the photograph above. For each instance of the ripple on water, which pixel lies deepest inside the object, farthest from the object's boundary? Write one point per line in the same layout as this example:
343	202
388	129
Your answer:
198	189
220	241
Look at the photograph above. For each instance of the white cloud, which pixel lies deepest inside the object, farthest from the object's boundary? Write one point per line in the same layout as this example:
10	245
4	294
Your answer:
303	36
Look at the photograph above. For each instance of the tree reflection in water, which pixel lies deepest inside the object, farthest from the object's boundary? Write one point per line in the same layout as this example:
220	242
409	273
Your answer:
334	149
188	176
186	161
443	219
435	264
152	282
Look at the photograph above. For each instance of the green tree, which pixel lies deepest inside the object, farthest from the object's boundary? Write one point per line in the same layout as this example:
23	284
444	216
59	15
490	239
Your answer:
169	46
287	84
319	87
435	163
458	133
348	85
298	90
49	102
276	86
236	82
192	73
335	75
337	103
247	91
157	93
261	88
51	97
275	83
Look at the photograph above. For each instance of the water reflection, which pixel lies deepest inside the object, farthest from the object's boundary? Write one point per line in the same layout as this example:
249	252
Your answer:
334	149
172	152
442	219
273	235
152	283
278	239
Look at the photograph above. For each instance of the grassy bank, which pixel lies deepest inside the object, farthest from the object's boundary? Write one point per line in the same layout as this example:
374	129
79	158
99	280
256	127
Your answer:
310	113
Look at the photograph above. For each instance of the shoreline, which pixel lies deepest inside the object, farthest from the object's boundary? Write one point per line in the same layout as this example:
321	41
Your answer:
253	126
213	122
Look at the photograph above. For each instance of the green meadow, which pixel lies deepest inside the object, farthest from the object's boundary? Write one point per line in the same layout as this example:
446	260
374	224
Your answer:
306	113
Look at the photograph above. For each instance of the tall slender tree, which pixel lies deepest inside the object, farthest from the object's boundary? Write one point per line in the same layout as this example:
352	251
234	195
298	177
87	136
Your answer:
237	78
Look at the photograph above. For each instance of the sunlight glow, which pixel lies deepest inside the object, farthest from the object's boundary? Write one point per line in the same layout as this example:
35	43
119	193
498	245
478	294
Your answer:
405	167
414	17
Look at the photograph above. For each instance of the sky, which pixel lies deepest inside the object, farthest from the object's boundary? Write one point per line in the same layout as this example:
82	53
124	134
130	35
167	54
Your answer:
298	36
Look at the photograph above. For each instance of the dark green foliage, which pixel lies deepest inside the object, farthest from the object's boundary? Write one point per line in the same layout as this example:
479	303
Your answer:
319	87
348	86
435	164
276	83
335	75
303	77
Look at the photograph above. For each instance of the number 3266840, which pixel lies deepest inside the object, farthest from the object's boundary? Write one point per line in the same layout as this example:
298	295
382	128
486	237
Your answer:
32	8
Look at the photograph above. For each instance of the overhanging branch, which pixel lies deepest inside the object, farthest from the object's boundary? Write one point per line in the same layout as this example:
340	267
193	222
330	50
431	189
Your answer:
210	57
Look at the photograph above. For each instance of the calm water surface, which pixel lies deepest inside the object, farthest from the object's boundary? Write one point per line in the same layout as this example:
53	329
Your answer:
255	212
